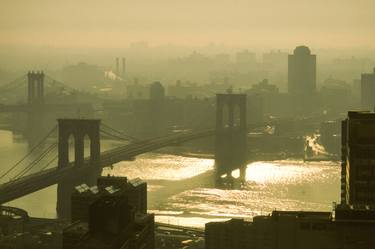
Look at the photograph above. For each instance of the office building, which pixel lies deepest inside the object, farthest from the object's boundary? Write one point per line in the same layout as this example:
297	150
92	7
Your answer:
358	159
301	72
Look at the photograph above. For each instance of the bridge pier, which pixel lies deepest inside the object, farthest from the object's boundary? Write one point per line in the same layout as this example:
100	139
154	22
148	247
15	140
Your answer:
79	129
231	141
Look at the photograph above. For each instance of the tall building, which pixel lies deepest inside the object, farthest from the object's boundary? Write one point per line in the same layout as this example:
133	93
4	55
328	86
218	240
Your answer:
301	71
368	91
358	159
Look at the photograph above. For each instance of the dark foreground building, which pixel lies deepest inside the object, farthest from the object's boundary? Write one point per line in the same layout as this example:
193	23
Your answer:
351	229
111	215
112	225
358	159
135	191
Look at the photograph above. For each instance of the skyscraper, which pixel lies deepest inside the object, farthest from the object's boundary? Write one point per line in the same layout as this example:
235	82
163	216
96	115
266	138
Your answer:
358	159
368	91
301	71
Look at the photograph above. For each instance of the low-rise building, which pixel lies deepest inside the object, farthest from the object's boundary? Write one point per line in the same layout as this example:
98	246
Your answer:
112	224
351	229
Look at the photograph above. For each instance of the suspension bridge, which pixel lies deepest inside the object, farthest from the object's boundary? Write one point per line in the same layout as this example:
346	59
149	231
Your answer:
40	103
45	163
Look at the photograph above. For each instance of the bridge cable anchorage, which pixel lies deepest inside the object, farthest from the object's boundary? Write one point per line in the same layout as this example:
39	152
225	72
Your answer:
36	161
104	125
29	153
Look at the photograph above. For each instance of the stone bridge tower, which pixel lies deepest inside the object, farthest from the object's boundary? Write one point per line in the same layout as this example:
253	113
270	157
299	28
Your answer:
78	129
35	88
230	143
35	101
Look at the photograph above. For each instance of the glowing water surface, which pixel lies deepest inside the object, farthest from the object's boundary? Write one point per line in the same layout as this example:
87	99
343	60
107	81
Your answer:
282	185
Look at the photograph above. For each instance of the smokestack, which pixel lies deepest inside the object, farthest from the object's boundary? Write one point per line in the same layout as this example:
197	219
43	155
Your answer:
123	67
117	66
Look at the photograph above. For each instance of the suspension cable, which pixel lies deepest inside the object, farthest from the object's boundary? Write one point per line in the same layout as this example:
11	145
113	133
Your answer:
28	154
36	161
57	82
119	132
49	163
114	136
18	80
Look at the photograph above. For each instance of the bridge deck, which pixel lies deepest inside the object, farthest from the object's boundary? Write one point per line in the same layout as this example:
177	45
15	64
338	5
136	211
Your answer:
37	181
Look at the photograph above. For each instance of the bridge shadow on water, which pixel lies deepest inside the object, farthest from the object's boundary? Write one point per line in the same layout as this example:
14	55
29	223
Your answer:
170	188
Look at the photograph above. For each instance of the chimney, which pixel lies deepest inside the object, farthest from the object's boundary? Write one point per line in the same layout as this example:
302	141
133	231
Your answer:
117	66
123	67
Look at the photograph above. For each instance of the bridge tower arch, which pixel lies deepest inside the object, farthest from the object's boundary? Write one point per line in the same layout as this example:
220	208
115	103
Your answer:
79	129
230	142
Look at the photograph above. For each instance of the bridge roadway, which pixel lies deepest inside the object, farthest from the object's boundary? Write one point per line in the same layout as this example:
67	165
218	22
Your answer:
33	182
45	107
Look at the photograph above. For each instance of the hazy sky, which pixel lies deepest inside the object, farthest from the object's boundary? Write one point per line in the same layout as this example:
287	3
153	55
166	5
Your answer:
116	23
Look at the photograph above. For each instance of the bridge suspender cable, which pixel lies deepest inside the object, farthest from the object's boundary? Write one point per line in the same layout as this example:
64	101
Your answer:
49	163
36	161
111	135
14	84
119	133
17	80
28	154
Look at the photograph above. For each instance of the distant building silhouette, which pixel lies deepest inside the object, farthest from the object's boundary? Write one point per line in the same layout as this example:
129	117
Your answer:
157	91
368	91
301	71
246	57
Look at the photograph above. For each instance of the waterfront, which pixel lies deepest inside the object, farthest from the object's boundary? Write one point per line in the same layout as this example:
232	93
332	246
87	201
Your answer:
282	185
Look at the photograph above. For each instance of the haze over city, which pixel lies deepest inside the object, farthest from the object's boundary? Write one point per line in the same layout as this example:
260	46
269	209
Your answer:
228	124
117	23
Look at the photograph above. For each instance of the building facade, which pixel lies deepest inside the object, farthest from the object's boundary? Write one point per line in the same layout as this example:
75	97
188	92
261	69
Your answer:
358	159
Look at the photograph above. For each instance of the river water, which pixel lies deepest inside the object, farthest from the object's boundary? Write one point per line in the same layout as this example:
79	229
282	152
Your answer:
181	190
